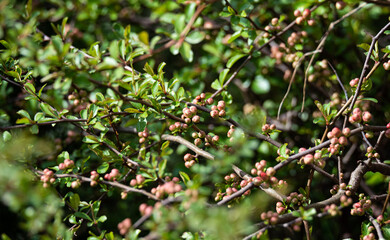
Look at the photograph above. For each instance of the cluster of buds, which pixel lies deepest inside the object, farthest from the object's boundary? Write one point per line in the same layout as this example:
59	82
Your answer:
266	128
335	99
201	100
359	208
274	26
301	17
178	126
113	175
143	135
168	188
209	140
336	188
345	201
189	160
198	136
230	132
386	65
295	38
66	164
47	177
332	209
370	236
78	98
321	72
269	217
138	180
340	5
338	139
233	181
315	158
277	52
71	136
75	184
189	115
124	226
354	82
265	175
280	208
145	209
358	116
371	153
295	200
94	178
218	110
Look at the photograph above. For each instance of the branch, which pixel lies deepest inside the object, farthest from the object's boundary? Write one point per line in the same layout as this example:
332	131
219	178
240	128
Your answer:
125	188
377	227
365	66
42	123
188	144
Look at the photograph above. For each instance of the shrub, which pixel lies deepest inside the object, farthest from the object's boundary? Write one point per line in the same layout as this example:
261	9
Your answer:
194	119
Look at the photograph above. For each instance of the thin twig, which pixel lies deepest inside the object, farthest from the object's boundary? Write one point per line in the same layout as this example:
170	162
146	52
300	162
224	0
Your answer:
366	65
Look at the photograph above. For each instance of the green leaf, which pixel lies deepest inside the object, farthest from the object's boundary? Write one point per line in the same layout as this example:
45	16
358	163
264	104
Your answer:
155	89
370	99
103	168
108	63
161	67
184	176
180	93
132	110
24	113
148	69
90	139
186	52
235	35
29	87
102	218
74	201
83	216
47	109
58	44
161	167
100	127
164	145
34	129
364	46
109	236
141	124
216	85
40	91
261	85
386	231
6	136
195	37
234	59
114	49
38	116
222	76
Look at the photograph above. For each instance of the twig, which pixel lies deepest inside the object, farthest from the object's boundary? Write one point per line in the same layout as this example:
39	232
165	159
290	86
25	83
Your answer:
292	79
188	144
114	184
172	42
322	44
366	66
63	120
377	227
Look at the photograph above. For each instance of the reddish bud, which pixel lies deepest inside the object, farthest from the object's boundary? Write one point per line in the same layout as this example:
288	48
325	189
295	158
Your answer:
306	13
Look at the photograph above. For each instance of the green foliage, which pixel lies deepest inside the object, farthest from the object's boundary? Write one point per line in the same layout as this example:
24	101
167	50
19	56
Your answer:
93	106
